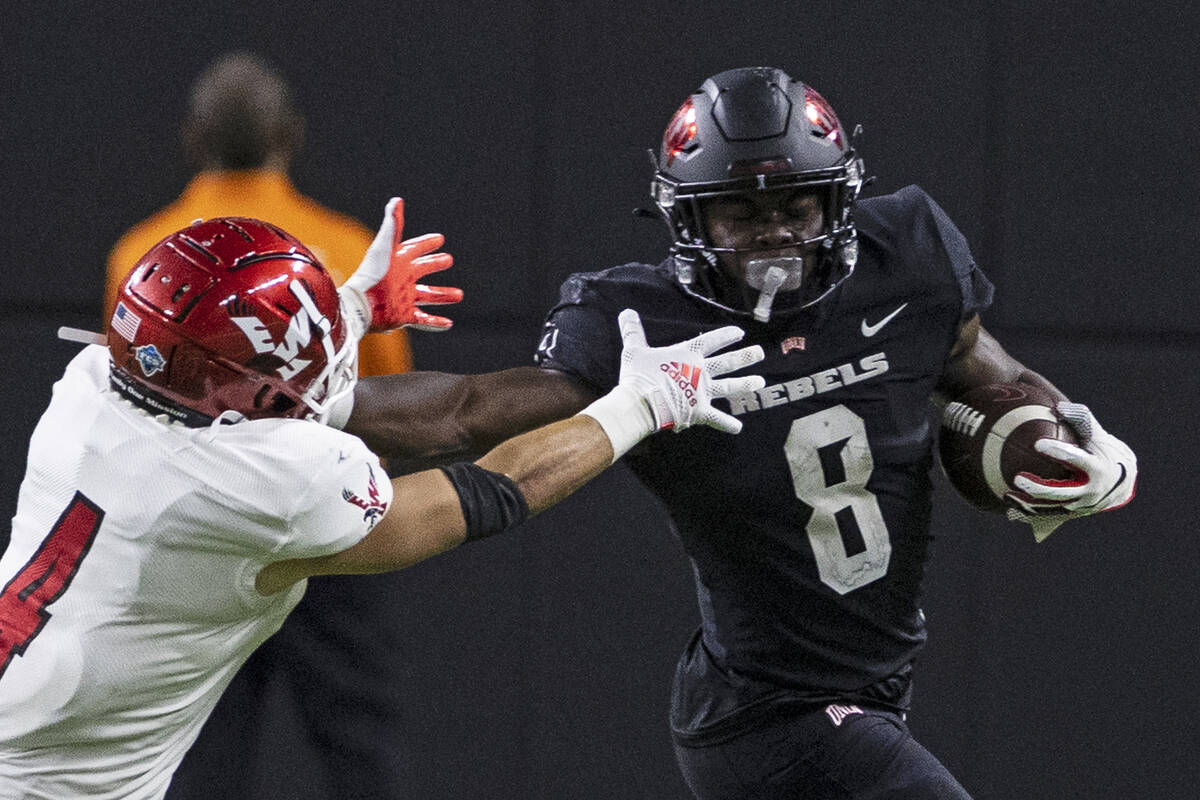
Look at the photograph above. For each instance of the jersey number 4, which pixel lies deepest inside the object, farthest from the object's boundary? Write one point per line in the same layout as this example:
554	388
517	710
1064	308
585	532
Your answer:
45	577
831	462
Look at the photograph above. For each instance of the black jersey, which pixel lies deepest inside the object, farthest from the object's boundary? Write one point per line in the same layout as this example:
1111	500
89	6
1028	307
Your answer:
808	531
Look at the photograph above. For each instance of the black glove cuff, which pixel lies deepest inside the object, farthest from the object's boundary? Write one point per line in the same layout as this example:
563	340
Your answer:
491	502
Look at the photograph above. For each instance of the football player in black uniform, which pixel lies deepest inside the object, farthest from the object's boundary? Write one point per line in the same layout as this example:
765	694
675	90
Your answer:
808	533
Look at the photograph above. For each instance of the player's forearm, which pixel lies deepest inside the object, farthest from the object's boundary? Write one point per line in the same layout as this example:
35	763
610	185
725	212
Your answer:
552	462
429	515
424	519
427	418
411	416
979	359
1029	376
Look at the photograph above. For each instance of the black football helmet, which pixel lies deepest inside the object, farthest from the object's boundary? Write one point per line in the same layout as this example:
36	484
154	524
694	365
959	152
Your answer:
749	130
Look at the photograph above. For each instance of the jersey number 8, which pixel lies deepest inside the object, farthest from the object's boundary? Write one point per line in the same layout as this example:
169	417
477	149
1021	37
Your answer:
830	459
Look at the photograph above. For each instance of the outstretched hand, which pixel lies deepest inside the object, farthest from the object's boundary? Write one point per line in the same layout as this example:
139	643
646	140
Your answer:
384	293
678	382
672	387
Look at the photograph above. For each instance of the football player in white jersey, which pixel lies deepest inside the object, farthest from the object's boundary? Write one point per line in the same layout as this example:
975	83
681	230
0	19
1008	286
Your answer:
189	475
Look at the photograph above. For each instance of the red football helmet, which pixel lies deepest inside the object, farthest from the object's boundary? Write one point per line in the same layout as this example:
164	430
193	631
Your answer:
230	314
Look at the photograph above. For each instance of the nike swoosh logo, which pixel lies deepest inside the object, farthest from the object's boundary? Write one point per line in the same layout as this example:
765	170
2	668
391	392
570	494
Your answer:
1100	503
871	330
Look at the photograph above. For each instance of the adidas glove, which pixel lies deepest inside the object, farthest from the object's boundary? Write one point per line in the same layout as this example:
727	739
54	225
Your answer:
672	387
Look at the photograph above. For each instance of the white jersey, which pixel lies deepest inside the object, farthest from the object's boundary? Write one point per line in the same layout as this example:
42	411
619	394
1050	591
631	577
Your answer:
129	600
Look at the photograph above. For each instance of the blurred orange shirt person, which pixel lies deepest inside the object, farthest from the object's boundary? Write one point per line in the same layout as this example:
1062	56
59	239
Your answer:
338	240
241	131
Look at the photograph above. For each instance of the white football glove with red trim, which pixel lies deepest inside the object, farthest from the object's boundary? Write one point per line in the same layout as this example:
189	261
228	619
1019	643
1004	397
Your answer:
1106	476
672	387
383	293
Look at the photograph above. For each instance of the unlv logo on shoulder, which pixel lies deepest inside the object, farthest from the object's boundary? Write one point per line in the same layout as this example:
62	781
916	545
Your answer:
297	336
372	506
792	343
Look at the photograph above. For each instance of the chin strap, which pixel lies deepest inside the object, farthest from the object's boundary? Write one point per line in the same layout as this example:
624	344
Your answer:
154	403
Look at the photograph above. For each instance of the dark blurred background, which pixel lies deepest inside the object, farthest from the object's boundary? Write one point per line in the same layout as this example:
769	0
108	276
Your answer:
1059	136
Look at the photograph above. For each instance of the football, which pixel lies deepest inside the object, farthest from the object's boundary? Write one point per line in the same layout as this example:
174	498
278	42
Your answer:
987	437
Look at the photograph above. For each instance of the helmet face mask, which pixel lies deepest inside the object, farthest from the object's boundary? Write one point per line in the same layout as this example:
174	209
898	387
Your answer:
745	136
231	315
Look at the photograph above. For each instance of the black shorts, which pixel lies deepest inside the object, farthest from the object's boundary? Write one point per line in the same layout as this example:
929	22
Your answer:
841	751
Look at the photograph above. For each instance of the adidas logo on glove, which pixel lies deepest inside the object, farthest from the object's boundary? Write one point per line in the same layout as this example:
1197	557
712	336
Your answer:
686	377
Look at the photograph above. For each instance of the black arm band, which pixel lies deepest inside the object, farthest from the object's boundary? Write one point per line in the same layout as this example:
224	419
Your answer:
491	502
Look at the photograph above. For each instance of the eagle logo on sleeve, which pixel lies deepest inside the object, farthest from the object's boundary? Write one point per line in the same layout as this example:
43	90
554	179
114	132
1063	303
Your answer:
372	507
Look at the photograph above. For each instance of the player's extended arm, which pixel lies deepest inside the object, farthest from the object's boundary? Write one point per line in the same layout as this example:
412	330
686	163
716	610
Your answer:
428	515
1105	467
659	388
426	418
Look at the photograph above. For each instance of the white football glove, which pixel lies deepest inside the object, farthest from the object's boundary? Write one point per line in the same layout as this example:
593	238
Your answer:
383	293
1106	476
672	387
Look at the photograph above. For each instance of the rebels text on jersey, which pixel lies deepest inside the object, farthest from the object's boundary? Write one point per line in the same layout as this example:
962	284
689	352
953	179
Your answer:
808	532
